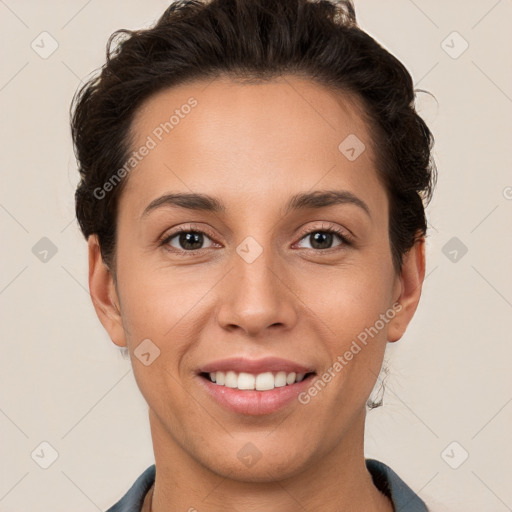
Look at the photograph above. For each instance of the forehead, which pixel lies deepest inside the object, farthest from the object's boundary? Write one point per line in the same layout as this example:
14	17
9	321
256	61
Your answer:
251	139
263	109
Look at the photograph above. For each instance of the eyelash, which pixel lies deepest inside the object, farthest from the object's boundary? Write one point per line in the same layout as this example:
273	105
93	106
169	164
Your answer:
331	228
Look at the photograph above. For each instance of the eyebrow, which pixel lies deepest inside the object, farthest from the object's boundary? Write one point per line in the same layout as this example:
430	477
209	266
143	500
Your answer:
301	201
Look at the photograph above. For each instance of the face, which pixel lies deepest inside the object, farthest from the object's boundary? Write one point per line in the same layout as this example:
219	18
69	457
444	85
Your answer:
254	274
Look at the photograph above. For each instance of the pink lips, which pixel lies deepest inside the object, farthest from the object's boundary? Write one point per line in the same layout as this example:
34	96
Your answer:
266	364
254	402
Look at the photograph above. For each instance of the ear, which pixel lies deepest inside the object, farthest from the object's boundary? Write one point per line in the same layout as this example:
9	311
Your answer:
104	294
408	289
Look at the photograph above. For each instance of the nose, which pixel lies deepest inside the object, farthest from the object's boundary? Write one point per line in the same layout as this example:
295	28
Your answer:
257	295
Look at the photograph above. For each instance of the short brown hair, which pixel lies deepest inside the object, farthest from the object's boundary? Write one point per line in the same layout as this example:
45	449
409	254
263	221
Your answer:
252	39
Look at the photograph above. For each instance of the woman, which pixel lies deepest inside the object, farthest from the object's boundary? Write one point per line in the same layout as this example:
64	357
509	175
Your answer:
254	177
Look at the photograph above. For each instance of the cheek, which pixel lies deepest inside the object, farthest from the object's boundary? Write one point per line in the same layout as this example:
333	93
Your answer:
352	298
163	310
357	308
155	300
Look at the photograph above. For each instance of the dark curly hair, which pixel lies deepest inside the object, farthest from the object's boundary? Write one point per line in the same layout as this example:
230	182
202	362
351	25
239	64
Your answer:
252	40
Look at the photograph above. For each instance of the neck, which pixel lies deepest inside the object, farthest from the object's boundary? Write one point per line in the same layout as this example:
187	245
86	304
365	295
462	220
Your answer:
338	482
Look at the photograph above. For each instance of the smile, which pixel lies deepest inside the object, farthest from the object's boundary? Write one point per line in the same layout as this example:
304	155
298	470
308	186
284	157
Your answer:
261	382
252	401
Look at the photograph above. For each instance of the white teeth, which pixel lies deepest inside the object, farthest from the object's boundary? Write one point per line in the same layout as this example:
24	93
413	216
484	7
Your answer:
246	381
280	380
264	381
290	378
231	380
261	382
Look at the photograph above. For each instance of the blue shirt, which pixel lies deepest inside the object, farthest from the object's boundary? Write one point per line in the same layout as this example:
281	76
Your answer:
384	478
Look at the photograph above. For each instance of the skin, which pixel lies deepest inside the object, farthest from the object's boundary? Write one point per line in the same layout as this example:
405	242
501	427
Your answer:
252	147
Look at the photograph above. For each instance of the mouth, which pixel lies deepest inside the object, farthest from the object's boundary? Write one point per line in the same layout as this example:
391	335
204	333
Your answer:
255	394
255	386
264	381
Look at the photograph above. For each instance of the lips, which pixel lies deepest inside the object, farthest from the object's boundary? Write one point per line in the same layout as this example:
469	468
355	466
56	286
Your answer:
252	402
255	366
269	398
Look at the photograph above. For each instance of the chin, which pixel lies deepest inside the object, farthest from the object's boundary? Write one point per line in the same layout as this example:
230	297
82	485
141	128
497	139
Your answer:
257	460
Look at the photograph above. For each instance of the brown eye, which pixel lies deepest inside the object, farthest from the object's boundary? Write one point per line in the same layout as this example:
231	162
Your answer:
322	239
186	240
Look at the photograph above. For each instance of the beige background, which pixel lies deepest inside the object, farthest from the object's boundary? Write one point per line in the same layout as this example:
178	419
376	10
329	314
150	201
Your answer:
63	381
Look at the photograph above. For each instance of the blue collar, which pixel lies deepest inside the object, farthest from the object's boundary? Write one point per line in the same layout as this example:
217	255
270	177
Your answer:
384	478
